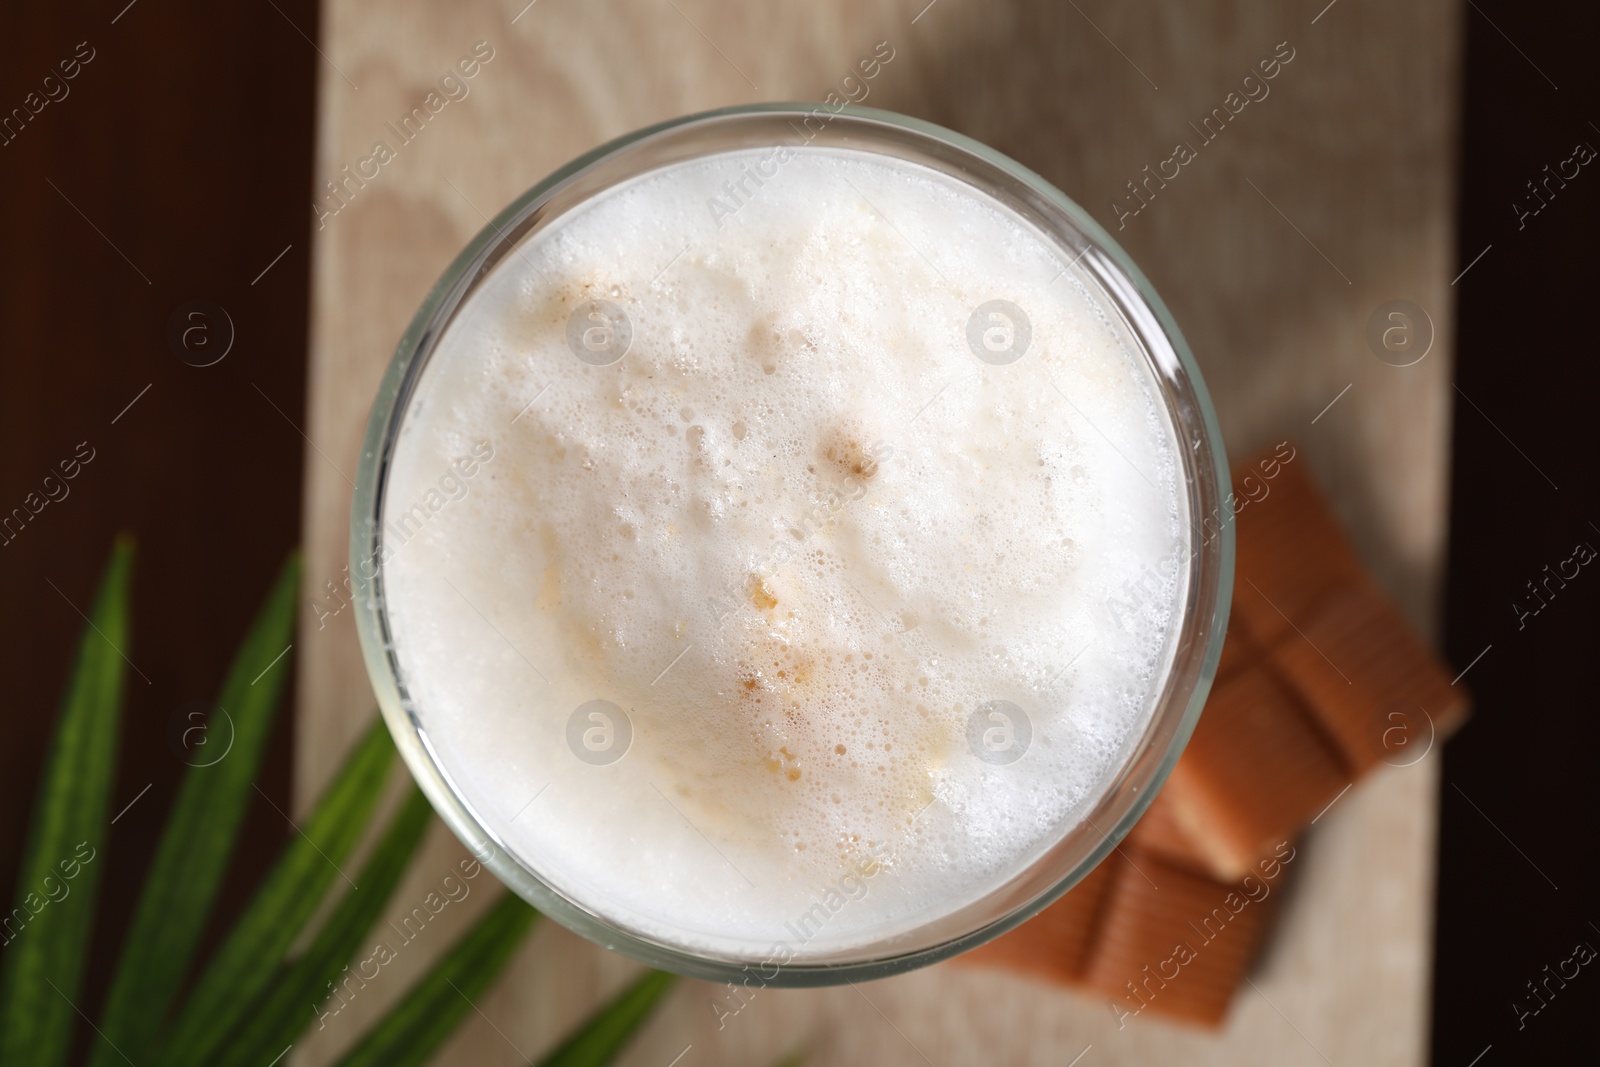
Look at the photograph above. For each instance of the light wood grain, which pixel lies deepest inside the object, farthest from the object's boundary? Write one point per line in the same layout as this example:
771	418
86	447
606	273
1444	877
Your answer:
1315	205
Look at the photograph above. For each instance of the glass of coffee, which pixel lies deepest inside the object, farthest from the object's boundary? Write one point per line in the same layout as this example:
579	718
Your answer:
792	544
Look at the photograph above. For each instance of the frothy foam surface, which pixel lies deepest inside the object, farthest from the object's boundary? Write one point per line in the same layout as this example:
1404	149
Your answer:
880	615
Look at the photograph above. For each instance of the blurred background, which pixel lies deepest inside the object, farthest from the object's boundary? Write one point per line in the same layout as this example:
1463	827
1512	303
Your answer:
1406	152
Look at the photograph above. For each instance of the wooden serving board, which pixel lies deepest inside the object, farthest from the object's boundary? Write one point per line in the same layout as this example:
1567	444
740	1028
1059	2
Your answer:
1273	245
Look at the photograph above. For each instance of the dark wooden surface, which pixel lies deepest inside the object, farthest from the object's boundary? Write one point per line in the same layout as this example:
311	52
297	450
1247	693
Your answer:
184	148
1517	872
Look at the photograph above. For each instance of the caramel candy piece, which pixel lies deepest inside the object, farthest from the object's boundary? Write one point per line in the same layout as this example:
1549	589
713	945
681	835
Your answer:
1177	943
1055	943
1291	552
1159	831
1369	681
1320	678
1255	770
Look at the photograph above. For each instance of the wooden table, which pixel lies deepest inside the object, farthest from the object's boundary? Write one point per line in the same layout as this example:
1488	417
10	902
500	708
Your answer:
1316	204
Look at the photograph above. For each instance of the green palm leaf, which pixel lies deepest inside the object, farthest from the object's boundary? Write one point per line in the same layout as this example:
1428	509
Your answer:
302	986
249	1003
40	973
245	963
199	839
608	1030
430	1011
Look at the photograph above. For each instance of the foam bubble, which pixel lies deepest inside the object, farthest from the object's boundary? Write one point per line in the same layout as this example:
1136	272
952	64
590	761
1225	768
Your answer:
798	534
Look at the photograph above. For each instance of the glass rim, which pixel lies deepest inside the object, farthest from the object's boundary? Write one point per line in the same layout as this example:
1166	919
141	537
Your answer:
1148	758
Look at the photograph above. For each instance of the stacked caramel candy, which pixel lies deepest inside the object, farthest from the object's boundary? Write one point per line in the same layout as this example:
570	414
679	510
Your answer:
1320	679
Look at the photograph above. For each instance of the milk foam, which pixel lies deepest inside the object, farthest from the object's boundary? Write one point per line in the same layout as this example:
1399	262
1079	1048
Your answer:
801	533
